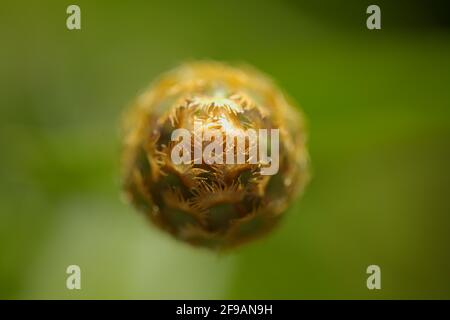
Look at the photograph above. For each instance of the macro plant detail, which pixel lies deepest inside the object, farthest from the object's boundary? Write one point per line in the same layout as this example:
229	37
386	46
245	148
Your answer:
217	204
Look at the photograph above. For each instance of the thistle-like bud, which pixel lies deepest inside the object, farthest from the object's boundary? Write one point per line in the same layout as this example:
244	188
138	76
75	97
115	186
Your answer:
213	154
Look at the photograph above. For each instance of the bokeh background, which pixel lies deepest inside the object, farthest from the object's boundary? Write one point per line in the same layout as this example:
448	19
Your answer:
378	104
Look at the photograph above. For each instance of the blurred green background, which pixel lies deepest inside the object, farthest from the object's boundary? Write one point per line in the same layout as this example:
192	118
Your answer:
378	104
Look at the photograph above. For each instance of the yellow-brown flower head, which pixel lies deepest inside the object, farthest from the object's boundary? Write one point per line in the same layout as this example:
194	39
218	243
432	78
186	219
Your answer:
217	204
